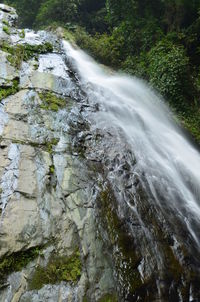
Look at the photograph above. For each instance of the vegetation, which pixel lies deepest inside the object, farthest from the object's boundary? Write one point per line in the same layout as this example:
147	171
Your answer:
51	102
59	268
17	261
156	40
24	52
50	145
5	91
6	29
22	34
5	22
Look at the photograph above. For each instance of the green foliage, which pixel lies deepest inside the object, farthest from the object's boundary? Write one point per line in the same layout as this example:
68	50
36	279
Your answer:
27	10
17	261
169	72
104	48
57	10
6	91
189	117
136	65
88	13
51	102
58	269
119	10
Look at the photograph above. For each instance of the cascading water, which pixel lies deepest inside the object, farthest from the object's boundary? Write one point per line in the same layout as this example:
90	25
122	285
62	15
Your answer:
170	163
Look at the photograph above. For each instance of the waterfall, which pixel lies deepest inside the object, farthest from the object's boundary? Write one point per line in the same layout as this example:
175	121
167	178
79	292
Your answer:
167	162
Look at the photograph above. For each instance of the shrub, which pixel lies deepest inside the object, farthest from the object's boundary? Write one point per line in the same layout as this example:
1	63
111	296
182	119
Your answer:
169	72
105	48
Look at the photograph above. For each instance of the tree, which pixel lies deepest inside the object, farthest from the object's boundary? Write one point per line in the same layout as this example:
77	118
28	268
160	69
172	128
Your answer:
57	10
27	10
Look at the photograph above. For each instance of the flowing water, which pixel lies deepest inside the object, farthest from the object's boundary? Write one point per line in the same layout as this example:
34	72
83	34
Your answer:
167	161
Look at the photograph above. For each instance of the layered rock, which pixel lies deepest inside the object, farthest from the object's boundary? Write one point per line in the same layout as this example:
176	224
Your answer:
47	210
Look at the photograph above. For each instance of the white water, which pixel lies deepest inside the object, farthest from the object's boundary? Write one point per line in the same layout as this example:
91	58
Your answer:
170	163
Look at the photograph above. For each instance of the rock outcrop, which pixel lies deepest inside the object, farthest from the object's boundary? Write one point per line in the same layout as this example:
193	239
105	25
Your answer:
47	210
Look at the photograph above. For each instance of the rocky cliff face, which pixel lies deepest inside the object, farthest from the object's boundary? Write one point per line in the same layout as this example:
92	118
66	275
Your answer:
69	229
47	211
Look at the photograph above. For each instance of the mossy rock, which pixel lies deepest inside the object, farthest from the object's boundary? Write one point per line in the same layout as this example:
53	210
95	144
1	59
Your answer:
6	29
17	261
125	258
49	146
24	52
5	22
59	268
6	91
51	102
108	298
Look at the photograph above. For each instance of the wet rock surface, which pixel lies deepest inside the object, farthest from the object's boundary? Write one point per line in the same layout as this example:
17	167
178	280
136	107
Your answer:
66	185
45	187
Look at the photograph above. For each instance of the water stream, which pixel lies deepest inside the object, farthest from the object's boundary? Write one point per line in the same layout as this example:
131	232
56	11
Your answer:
169	163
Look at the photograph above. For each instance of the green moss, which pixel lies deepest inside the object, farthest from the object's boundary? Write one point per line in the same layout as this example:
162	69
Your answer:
17	261
51	102
24	52
51	169
6	91
17	58
6	29
58	269
4	46
5	22
22	34
108	298
33	50
50	145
